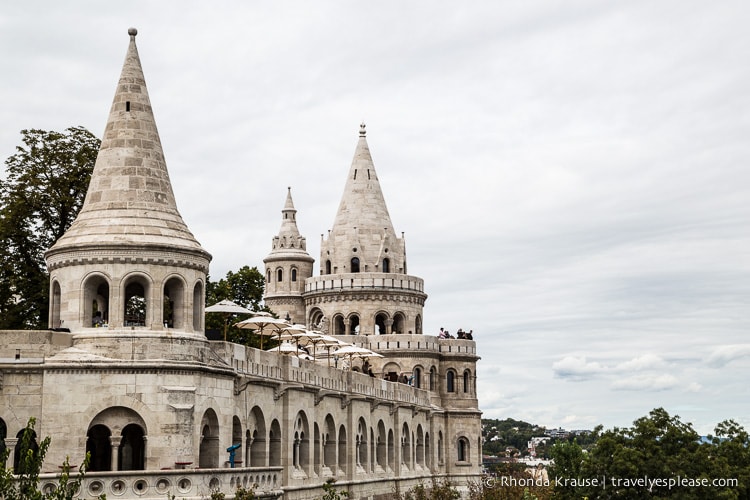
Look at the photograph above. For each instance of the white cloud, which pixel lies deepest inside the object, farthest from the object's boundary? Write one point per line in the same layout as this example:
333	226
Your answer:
577	368
723	355
655	382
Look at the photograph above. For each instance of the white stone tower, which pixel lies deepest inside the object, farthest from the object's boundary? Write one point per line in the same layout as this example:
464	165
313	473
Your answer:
364	287
128	260
287	267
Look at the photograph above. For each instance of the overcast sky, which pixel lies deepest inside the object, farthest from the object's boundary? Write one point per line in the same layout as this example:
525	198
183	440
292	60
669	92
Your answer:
572	178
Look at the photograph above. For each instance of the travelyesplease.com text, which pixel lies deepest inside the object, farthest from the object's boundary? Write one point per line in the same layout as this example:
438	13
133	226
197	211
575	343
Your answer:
604	482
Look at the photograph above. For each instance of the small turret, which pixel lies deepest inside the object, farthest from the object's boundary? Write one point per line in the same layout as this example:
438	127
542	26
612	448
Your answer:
287	267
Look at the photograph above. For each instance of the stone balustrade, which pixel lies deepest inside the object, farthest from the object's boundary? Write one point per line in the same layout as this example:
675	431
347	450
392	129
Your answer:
340	282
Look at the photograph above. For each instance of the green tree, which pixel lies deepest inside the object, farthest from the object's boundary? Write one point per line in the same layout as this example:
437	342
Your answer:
659	447
245	288
45	185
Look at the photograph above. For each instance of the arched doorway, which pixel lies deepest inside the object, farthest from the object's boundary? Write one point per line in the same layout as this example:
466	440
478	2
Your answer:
131	453
208	454
99	447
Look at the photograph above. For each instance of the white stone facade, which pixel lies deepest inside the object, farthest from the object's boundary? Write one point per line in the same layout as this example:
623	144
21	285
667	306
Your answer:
127	374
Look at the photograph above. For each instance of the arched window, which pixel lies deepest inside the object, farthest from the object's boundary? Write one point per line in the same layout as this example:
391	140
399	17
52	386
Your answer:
386	266
417	377
294	275
467	380
328	267
451	382
355	264
279	275
433	374
268	278
462	449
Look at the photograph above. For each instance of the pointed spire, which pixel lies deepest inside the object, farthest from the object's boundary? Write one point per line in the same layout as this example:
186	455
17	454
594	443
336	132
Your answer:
362	229
362	204
289	217
289	242
130	198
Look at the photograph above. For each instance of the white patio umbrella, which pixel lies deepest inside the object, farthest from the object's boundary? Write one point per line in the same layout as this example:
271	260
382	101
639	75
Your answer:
326	342
352	351
227	308
286	347
265	324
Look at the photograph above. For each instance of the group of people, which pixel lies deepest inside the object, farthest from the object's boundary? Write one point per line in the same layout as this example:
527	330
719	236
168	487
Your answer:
445	334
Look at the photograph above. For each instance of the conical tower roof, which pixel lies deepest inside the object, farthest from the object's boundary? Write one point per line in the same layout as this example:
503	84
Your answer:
362	236
130	200
362	205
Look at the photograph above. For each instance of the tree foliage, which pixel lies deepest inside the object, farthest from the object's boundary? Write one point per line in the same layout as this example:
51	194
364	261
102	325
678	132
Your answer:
25	484
662	448
45	185
244	288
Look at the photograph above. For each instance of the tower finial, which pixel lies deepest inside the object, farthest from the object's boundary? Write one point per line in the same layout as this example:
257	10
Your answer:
362	131
132	32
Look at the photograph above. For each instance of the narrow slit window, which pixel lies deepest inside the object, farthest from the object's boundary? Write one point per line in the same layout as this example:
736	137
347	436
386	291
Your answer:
127	106
355	174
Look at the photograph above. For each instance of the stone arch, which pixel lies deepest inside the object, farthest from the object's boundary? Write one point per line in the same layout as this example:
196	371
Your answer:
399	323
467	381
352	322
317	450
391	451
427	450
99	447
274	444
279	275
328	266
381	448
440	448
96	295
18	463
198	306
417	374
208	452
418	324
450	380
131	454
301	443
463	452
255	455
342	455
293	274
237	439
382	323
116	437
391	371
420	448
354	265
329	444
339	326
174	303
361	445
406	447
268	276
433	377
316	319
137	306
54	308
386	268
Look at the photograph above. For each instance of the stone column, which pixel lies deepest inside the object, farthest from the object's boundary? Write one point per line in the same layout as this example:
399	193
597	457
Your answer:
114	443
10	444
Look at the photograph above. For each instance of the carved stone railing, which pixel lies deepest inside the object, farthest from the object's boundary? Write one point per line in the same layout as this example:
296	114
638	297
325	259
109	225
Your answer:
182	483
